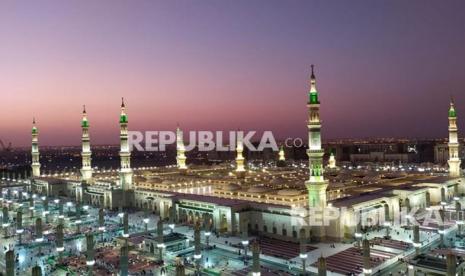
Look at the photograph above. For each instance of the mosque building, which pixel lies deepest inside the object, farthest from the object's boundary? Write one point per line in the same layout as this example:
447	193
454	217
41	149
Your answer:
278	202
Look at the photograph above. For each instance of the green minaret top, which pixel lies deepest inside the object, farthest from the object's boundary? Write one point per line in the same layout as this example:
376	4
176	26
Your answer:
313	94
84	122
123	118
34	128
452	112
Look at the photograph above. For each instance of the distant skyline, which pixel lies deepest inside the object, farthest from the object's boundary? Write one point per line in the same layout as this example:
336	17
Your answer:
383	68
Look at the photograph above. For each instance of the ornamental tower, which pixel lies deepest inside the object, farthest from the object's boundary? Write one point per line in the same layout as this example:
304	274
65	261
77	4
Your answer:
124	154
35	150
282	156
240	168
454	159
86	170
316	184
332	161
180	155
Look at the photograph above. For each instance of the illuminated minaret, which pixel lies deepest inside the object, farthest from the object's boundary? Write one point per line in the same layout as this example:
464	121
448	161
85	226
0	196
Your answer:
282	156
180	156
332	161
35	150
316	185
240	168
125	154
86	170
454	159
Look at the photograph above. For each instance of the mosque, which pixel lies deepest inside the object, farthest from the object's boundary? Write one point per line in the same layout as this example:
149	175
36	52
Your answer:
275	201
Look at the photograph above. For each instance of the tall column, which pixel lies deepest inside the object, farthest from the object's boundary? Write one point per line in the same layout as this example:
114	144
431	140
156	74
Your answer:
45	206
90	253
416	238
197	248
59	239
124	259
441	230
10	263
78	217
160	243
19	225
173	217
460	222
86	153
125	225
316	184
35	150
5	220
39	230
125	154
101	220
451	264
180	150
256	271
61	216
208	229
387	220
454	158
366	258
303	249
245	237
31	205
321	266
428	200
36	271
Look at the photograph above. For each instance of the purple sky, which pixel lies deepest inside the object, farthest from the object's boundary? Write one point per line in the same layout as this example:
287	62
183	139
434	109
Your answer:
384	68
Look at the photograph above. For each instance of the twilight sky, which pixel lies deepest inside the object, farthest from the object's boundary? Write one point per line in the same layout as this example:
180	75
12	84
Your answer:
384	68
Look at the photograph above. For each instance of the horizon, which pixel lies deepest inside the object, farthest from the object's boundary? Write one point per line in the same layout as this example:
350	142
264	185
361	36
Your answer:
381	70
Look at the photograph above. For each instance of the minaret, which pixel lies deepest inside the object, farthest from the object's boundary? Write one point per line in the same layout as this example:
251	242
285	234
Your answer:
125	154
35	150
86	170
316	185
240	168
282	156
332	161
180	156
454	159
